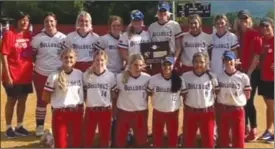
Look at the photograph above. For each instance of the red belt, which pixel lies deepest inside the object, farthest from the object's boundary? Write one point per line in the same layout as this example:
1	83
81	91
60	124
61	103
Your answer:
72	108
203	110
99	108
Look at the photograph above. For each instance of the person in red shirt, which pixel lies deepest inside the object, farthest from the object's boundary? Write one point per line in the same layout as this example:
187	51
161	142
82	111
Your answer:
266	88
250	45
17	72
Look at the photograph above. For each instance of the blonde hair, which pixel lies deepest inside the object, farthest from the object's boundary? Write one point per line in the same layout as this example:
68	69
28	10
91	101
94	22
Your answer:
115	18
97	53
237	27
204	55
222	17
86	14
196	17
62	78
132	58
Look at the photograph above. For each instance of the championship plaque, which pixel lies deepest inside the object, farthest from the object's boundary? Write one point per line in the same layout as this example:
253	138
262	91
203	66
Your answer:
154	52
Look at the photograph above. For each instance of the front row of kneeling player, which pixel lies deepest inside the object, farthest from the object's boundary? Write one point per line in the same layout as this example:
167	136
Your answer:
199	89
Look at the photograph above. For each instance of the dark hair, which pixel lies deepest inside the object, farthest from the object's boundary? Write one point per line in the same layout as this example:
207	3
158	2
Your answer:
175	82
49	14
20	15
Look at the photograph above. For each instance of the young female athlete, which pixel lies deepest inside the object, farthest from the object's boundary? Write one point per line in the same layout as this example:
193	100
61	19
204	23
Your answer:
46	48
129	42
132	102
165	29
16	56
201	86
109	43
166	89
223	40
266	88
250	43
234	92
82	41
64	90
98	84
195	40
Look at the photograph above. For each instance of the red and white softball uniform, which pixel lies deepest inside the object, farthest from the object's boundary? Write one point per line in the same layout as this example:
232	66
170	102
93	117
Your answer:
166	106
192	44
225	42
132	44
132	107
169	31
67	108
74	94
84	48
164	100
232	87
109	44
133	95
98	106
230	101
99	88
48	49
199	108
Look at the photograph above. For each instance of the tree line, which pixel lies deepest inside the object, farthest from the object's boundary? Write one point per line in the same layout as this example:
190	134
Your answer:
67	11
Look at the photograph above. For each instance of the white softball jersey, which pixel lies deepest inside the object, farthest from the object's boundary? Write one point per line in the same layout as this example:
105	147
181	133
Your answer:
109	44
232	87
169	31
83	45
192	44
74	94
132	44
133	95
163	99
200	89
48	50
98	88
222	43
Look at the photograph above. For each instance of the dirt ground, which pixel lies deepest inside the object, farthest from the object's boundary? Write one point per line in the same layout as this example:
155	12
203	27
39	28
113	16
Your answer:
33	142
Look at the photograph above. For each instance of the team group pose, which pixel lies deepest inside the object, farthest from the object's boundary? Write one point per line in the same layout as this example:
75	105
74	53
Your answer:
101	84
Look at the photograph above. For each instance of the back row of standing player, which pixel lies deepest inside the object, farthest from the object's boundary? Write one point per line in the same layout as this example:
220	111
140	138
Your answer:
164	29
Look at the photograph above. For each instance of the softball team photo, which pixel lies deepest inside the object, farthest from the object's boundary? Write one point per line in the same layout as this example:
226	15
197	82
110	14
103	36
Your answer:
87	87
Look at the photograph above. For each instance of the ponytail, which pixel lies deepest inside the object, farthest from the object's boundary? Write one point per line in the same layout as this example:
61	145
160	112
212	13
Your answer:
62	80
175	82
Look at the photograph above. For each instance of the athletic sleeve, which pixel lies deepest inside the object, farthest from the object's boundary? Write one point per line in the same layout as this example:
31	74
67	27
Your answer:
123	41
100	44
113	82
257	44
215	82
84	77
177	30
246	82
149	31
35	43
151	85
50	83
68	41
209	41
234	42
6	45
183	86
118	81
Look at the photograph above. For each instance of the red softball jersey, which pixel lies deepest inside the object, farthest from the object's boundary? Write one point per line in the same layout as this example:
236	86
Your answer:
267	59
19	54
251	43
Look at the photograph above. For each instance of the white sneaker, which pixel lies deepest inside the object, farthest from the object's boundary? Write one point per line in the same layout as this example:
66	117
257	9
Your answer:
39	131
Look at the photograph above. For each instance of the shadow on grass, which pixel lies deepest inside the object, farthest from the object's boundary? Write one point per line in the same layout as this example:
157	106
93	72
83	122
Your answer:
29	138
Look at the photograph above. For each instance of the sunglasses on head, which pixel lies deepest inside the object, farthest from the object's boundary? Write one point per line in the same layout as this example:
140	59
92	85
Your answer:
264	25
243	17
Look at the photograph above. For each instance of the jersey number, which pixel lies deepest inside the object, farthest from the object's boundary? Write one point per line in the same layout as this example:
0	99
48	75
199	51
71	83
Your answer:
104	93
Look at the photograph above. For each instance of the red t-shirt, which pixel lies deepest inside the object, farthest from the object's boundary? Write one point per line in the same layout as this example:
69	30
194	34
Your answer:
19	54
267	59
250	45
